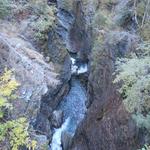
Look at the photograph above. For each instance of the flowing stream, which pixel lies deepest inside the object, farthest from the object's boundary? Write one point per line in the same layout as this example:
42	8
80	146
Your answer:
73	105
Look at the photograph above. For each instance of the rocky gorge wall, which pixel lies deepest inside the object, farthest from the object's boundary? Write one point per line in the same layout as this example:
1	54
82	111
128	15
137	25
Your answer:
43	72
107	124
90	30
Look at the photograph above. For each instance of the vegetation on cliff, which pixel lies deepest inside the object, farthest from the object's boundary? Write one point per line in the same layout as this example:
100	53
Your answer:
4	8
135	90
13	132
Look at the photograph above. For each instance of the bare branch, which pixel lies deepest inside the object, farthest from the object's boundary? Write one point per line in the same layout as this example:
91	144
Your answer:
145	13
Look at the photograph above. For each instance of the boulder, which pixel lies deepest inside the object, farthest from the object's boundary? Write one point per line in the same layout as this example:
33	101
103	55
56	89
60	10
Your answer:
57	118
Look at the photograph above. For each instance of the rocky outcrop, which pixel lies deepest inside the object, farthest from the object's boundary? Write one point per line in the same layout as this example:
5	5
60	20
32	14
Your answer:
107	124
57	118
43	82
80	33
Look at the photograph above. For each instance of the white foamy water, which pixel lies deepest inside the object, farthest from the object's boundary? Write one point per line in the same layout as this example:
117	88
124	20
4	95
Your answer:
82	69
56	140
73	60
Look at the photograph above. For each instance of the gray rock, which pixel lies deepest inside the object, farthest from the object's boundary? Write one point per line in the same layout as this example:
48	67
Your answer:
57	118
66	140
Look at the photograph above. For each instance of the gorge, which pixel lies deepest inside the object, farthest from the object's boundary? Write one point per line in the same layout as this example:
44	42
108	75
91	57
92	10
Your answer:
82	71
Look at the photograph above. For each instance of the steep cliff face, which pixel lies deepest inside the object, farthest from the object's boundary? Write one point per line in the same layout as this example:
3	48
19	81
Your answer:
80	33
43	72
37	47
107	124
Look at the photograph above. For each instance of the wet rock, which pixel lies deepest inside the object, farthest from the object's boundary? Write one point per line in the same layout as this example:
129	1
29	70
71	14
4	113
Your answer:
66	139
57	118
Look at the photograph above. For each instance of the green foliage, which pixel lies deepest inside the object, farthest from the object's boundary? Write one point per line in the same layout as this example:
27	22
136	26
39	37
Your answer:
143	49
4	8
15	131
134	74
7	87
141	8
109	1
45	20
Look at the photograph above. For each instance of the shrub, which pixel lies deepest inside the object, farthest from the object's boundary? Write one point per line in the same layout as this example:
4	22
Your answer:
145	31
45	20
135	89
97	51
14	131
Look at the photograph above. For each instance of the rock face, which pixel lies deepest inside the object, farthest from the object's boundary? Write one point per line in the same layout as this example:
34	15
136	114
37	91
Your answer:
43	81
57	118
80	34
34	75
66	139
107	125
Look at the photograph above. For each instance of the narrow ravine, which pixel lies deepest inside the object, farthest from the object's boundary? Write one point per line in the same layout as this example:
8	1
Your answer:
73	105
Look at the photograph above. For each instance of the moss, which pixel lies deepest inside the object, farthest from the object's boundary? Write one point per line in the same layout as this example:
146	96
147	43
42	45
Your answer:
108	2
140	8
100	20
